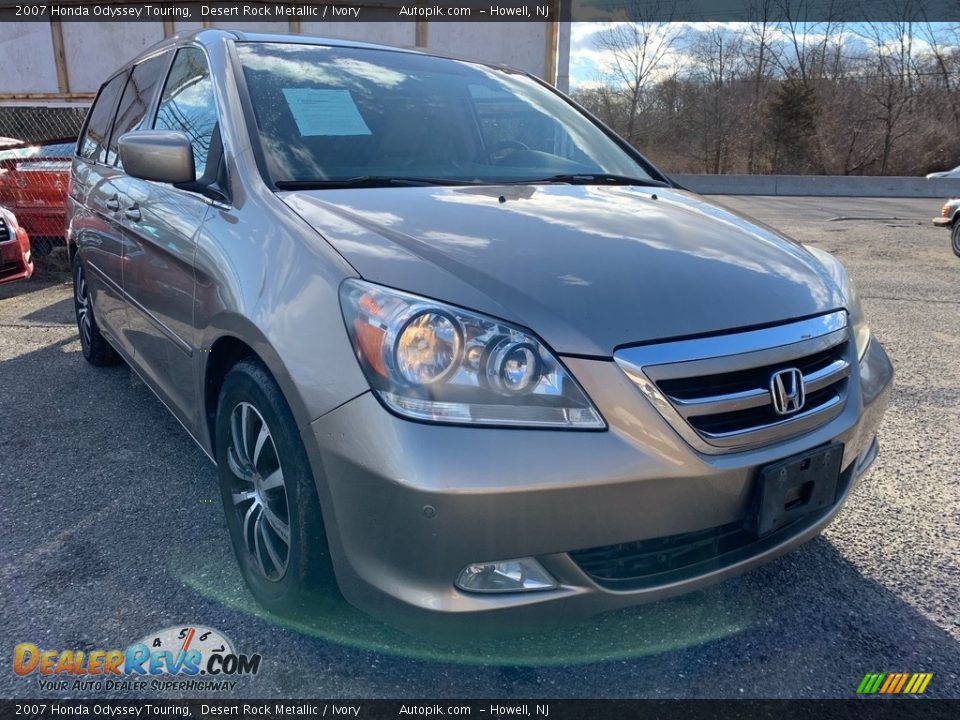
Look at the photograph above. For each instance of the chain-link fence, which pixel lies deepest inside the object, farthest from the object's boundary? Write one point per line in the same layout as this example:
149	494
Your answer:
36	144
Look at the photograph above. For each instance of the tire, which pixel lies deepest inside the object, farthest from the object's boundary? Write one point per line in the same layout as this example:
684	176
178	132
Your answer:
268	492
955	237
96	350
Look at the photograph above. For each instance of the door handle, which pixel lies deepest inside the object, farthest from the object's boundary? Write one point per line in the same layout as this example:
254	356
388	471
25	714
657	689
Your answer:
132	213
113	203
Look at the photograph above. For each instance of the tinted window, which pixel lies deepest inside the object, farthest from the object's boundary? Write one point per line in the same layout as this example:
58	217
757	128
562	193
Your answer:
101	116
505	118
140	88
188	104
331	113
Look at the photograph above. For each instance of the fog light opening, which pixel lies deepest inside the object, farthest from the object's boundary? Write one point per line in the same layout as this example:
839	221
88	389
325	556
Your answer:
521	575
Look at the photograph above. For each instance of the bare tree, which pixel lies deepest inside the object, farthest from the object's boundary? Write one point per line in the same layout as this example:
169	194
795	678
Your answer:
894	66
638	51
760	54
771	96
808	43
718	55
944	63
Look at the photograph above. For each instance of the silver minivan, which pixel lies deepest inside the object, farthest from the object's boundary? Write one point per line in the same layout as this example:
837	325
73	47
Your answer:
454	347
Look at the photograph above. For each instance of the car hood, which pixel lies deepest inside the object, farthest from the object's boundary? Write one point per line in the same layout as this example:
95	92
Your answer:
588	268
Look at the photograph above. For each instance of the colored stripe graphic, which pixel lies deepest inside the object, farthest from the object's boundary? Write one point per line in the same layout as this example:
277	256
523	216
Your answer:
891	683
903	679
870	683
894	683
862	687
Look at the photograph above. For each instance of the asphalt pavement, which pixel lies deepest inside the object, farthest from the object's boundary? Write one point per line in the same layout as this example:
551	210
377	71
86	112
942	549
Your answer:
112	528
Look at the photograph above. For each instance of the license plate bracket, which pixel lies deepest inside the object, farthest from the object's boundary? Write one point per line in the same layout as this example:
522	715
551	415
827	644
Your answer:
789	489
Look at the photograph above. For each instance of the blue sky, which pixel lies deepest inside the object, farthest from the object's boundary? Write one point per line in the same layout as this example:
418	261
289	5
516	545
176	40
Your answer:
589	62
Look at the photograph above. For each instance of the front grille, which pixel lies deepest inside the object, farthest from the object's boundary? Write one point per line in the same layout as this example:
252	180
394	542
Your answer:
4	232
716	391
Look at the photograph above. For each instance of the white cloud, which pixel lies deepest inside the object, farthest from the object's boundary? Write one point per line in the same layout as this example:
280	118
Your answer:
591	65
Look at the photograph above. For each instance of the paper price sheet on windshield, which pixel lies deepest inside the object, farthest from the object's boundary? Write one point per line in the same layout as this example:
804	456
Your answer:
322	111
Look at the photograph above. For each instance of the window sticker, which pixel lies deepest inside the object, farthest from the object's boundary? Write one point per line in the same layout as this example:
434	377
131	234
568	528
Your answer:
325	112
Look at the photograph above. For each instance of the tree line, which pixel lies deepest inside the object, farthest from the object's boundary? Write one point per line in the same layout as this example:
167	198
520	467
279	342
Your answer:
783	96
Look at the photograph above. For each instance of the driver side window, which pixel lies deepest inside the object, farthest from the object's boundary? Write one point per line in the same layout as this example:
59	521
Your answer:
188	104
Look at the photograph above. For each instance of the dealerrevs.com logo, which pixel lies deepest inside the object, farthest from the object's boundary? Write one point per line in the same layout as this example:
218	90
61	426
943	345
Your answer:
176	658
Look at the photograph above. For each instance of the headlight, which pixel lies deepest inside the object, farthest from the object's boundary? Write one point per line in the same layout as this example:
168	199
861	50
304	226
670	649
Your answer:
430	361
858	322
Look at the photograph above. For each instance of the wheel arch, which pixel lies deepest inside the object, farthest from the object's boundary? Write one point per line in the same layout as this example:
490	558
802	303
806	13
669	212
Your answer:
238	340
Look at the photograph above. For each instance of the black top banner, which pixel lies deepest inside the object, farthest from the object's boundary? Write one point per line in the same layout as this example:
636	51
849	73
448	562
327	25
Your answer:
255	11
489	709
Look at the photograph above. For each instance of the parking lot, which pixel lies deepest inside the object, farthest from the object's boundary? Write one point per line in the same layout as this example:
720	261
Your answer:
113	528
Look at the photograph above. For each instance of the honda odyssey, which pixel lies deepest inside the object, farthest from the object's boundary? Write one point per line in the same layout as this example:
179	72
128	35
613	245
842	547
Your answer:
452	344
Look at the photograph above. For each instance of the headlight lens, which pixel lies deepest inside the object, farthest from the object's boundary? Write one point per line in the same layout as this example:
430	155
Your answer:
858	322
431	361
427	348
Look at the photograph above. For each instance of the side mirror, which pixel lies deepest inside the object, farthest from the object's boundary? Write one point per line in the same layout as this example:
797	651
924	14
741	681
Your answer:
160	155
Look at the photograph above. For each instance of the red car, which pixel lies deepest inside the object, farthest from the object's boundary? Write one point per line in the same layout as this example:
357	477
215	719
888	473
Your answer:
33	185
15	260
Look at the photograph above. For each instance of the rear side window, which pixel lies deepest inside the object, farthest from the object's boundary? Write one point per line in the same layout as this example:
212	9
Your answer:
95	137
188	104
138	93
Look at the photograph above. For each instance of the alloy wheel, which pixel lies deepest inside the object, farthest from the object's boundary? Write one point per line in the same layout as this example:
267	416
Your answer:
259	493
82	306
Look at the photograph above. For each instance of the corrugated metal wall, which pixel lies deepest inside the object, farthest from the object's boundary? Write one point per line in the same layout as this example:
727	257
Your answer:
53	61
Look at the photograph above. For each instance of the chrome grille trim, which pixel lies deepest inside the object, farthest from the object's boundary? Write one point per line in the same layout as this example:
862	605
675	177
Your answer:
834	372
722	403
794	425
741	358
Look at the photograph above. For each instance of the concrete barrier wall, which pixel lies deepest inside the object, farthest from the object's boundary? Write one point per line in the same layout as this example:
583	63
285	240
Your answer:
821	185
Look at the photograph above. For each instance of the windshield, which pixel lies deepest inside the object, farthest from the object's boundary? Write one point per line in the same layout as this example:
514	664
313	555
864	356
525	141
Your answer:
330	114
56	149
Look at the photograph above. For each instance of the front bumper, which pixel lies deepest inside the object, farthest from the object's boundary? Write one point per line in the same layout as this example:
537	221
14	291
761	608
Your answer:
943	222
408	505
15	260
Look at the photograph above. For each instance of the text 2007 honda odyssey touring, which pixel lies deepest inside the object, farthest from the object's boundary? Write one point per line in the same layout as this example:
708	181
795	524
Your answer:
451	341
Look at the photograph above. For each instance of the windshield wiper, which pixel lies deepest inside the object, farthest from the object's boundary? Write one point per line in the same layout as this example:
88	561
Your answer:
592	179
368	181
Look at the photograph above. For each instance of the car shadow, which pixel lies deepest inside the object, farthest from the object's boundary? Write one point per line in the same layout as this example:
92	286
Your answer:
115	530
33	285
60	313
809	624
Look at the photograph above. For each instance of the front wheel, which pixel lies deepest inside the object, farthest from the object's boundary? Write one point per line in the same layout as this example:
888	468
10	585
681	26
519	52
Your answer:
268	492
955	237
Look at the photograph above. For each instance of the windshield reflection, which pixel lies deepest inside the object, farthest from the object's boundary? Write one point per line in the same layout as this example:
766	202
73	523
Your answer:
356	116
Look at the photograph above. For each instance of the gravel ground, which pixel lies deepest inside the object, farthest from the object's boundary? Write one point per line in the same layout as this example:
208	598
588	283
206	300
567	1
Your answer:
113	528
